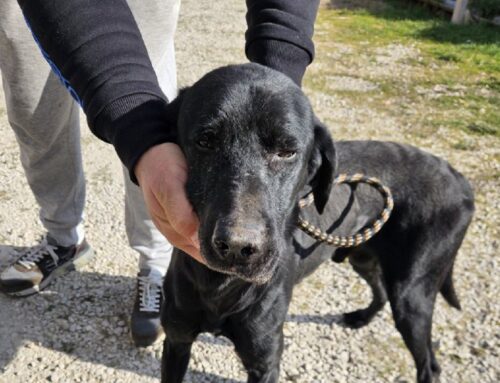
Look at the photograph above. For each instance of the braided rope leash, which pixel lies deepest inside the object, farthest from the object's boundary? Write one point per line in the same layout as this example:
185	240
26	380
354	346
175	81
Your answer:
362	235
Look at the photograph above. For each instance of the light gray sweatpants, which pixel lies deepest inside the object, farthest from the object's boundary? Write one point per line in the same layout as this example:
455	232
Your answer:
45	120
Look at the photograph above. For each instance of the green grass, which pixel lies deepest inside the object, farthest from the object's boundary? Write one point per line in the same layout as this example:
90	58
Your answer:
462	60
477	46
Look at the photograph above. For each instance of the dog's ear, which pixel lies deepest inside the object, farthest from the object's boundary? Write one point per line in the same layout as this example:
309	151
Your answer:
173	109
322	166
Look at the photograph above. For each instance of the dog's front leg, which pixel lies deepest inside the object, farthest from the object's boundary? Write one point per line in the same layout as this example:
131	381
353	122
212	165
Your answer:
271	375
260	353
175	361
264	366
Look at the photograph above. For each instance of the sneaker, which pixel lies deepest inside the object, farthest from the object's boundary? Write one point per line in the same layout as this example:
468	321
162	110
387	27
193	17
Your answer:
145	323
36	266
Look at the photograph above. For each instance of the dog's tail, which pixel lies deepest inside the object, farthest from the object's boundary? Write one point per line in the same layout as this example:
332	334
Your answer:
448	291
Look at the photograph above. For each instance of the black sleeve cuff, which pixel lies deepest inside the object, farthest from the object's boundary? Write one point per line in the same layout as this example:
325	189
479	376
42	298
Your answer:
279	55
133	124
279	34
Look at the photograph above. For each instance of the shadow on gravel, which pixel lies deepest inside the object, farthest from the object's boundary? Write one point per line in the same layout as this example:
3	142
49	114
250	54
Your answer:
204	377
84	315
438	29
327	320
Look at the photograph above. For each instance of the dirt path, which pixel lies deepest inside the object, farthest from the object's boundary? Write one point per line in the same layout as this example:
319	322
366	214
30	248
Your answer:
77	331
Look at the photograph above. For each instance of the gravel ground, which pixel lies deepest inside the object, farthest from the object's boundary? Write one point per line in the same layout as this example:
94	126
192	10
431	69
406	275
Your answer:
78	330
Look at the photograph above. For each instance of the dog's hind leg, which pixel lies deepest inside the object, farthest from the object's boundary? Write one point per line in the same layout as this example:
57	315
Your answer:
175	361
368	267
435	367
412	307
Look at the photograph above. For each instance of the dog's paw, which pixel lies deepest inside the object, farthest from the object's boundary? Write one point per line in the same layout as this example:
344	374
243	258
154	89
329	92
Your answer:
436	370
356	319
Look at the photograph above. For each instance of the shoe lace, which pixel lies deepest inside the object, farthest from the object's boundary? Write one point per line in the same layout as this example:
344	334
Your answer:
8	254
150	293
36	253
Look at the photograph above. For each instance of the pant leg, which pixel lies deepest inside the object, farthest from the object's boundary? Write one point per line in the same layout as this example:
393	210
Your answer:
157	20
45	120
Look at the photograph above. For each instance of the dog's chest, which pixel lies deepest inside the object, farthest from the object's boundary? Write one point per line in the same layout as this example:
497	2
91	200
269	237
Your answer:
218	306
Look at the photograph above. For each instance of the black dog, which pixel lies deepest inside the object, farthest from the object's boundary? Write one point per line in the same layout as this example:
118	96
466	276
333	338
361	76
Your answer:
254	148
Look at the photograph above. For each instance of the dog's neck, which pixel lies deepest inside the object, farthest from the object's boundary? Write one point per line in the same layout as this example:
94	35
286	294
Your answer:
220	294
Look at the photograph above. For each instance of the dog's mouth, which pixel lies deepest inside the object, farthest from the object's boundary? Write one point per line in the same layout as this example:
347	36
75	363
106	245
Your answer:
257	272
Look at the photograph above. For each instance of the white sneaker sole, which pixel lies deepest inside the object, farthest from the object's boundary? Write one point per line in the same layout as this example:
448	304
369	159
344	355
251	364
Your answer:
83	258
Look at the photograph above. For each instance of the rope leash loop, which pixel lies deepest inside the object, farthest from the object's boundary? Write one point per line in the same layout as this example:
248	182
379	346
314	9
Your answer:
361	235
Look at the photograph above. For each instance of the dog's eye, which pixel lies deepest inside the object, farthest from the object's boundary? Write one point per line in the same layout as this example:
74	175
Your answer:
205	141
286	154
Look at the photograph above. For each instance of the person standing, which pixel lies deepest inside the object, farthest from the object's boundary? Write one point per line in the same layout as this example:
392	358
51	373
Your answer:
45	120
115	59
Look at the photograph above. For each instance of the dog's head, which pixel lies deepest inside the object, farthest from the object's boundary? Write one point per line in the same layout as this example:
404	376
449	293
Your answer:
252	146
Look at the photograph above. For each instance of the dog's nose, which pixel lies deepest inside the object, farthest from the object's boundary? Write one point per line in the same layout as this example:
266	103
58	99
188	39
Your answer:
238	241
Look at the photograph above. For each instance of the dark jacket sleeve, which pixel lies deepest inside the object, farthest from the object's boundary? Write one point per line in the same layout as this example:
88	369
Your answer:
279	34
95	47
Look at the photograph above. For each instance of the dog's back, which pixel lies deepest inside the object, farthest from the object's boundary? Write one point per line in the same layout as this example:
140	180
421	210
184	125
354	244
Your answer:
420	181
427	192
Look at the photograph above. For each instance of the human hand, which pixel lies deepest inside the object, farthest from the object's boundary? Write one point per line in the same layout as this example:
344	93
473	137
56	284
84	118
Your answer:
162	175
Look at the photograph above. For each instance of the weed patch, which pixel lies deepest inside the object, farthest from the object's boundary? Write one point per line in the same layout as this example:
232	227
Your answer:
421	68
